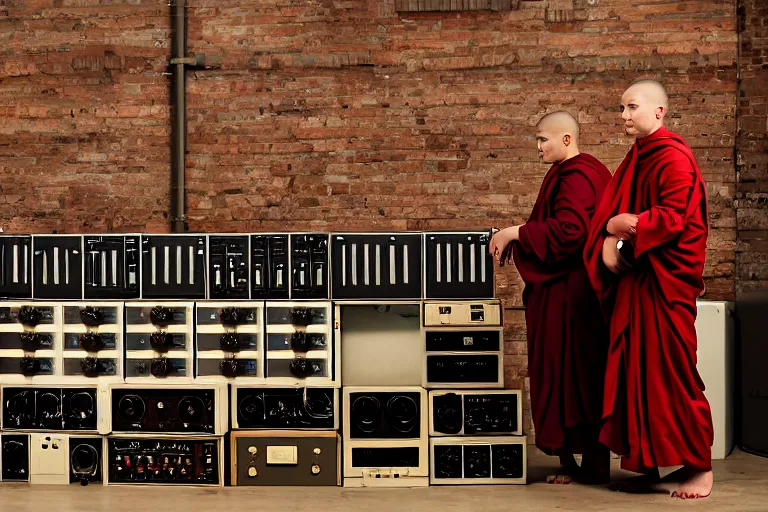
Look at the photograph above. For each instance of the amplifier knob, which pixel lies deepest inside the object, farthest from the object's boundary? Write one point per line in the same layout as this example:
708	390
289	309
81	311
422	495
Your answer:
317	451
315	469
252	450
252	472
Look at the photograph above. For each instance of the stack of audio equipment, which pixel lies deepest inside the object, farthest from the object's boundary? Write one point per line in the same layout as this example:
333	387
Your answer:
362	359
475	430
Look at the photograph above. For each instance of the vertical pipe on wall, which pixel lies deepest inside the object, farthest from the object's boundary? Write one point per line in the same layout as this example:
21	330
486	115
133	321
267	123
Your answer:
178	114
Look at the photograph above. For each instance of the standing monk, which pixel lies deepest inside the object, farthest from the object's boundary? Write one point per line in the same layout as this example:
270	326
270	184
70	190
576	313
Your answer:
645	256
567	336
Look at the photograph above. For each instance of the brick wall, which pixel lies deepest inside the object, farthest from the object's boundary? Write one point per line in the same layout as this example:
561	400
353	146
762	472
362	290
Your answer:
343	114
752	147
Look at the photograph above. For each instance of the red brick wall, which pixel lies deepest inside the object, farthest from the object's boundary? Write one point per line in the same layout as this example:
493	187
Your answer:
752	147
343	114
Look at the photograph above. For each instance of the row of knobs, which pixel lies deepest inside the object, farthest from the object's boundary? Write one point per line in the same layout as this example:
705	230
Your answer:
253	472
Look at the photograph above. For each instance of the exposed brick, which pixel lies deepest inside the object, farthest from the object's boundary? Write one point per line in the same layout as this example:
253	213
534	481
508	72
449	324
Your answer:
350	116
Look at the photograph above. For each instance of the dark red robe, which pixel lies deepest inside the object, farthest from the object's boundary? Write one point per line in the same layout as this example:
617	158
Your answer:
567	336
655	411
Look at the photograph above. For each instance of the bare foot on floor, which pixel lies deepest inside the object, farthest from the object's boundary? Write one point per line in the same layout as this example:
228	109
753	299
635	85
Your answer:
559	479
698	484
567	471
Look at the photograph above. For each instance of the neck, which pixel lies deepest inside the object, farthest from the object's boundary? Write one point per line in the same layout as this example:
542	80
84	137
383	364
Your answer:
655	129
572	152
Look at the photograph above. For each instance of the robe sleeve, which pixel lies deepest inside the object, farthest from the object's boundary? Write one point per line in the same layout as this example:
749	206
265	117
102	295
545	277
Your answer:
664	222
564	233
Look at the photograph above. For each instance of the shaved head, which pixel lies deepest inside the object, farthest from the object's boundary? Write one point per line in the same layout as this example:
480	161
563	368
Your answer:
652	91
557	136
561	122
643	107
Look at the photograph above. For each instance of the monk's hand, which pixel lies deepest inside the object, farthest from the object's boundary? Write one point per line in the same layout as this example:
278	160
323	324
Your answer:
502	239
611	254
623	225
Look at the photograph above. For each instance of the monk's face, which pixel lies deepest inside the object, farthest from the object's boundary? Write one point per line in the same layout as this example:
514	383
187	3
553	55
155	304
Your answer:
640	111
549	141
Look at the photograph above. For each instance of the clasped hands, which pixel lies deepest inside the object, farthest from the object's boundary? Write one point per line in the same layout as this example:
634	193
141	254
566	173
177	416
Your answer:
620	227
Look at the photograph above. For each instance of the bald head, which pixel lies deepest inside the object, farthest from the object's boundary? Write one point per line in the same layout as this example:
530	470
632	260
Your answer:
557	136
651	90
643	107
560	121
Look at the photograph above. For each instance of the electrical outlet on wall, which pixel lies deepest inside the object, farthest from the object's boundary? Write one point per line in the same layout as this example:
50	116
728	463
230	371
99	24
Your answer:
49	459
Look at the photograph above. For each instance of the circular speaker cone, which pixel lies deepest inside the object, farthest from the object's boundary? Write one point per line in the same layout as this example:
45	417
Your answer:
366	413
131	408
402	412
191	409
85	460
82	406
49	409
251	408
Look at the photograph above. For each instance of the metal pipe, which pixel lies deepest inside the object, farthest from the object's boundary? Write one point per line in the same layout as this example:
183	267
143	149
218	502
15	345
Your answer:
178	114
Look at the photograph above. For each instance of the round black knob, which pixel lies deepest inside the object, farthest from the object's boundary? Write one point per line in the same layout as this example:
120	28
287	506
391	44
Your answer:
160	315
91	316
161	341
90	366
160	367
30	341
91	342
30	316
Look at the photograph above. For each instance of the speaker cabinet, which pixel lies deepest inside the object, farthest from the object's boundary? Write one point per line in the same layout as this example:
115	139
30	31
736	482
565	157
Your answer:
478	461
51	408
112	267
57	262
376	266
167	408
93	340
173	266
14	457
481	412
292	408
228	267
458	265
15	267
30	342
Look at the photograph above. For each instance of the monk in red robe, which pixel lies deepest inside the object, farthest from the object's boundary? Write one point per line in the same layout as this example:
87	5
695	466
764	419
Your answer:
645	256
567	335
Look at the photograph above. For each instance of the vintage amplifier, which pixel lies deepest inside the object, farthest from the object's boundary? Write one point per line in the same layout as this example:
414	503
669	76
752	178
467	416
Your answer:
309	266
135	459
467	357
476	412
112	267
293	408
173	266
380	342
270	262
57	263
93	340
299	345
228	267
166	408
16	267
158	341
286	457
51	408
376	266
478	460
229	341
14	457
462	314
458	265
385	436
30	341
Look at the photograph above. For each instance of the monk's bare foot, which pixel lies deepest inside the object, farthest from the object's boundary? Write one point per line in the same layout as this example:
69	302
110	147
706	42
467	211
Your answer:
559	479
643	484
697	485
568	470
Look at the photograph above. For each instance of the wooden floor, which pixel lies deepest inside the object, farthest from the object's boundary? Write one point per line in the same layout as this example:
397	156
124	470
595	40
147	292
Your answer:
741	484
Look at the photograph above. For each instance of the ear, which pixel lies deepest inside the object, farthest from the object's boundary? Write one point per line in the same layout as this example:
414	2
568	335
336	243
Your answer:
567	139
661	112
